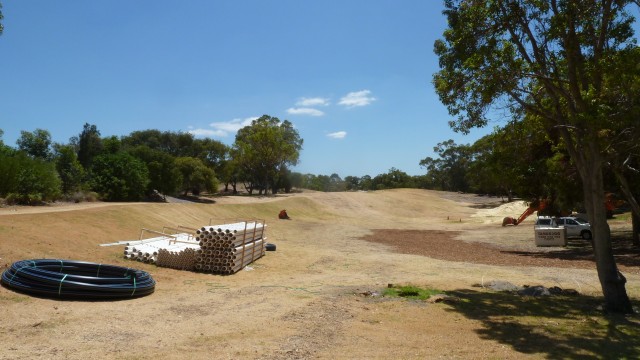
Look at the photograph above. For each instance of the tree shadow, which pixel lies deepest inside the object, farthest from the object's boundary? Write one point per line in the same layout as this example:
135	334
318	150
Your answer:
625	253
567	327
196	199
492	205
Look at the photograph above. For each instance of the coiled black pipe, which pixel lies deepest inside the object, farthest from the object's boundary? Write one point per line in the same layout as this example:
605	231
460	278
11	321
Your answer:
77	279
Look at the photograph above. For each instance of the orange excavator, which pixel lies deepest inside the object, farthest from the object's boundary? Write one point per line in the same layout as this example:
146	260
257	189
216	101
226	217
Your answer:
612	203
535	205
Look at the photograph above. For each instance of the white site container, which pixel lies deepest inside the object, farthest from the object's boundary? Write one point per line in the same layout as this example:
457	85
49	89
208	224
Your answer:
551	236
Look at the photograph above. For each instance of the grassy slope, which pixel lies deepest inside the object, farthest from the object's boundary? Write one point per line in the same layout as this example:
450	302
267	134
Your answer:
77	234
537	328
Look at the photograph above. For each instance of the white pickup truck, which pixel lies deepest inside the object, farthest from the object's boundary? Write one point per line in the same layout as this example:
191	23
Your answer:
575	227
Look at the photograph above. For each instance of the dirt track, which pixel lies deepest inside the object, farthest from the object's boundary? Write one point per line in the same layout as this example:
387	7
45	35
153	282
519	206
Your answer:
304	300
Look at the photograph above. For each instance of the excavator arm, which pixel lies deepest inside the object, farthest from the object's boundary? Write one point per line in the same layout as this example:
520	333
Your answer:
536	205
526	214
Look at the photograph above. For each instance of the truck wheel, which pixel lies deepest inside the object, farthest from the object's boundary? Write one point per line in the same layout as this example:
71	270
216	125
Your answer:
586	235
270	247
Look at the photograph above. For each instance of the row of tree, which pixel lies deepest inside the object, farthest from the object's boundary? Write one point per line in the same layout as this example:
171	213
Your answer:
131	167
393	179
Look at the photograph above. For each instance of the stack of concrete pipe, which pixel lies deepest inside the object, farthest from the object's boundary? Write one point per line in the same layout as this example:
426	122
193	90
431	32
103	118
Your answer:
227	248
217	249
181	257
175	251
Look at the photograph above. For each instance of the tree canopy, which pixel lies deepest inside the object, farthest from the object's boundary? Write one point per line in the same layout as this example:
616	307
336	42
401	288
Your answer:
264	149
36	144
553	60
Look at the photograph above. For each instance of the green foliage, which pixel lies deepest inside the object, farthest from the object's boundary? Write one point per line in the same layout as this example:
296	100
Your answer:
159	150
230	174
554	61
449	171
4	149
212	153
179	144
322	182
410	292
36	144
26	180
119	177
89	145
164	175
196	176
393	179
69	168
111	145
264	149
82	196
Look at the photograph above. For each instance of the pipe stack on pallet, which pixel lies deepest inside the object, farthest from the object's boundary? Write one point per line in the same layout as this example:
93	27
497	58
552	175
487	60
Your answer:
227	248
174	251
178	256
216	249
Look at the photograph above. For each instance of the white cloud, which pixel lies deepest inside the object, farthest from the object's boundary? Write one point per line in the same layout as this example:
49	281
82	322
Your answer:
337	135
233	125
357	98
207	133
305	111
317	101
223	129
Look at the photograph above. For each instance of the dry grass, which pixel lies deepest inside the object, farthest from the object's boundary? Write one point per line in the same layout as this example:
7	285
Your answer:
305	299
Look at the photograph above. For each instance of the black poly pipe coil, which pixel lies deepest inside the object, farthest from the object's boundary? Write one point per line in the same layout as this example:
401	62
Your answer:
72	279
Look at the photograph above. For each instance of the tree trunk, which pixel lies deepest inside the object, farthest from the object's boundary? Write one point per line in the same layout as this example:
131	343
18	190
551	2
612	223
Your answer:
635	221
611	280
633	202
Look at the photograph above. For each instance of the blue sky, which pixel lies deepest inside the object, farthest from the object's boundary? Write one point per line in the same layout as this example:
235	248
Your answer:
354	77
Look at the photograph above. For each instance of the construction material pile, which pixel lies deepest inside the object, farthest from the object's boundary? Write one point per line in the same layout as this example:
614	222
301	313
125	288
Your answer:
176	251
216	249
227	248
79	280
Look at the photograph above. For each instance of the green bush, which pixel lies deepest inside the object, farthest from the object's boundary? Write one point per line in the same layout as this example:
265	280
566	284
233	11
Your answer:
410	292
29	181
119	177
82	196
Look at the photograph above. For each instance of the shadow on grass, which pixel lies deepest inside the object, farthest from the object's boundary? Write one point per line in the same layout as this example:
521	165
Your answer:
196	199
625	253
558	327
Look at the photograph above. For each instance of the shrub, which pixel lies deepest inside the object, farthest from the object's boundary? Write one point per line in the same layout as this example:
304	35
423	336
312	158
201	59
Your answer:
119	177
29	181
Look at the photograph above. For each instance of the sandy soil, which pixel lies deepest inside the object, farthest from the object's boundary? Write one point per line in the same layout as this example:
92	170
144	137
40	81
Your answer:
310	299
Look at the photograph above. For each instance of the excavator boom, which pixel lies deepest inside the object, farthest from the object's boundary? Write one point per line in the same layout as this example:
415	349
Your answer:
526	214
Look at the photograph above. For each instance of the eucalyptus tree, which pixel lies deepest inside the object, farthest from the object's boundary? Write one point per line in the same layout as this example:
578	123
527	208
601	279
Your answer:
553	60
89	145
119	177
36	144
196	176
264	148
69	168
4	149
449	170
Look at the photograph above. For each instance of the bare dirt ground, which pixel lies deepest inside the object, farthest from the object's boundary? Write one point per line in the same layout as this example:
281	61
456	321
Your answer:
313	298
